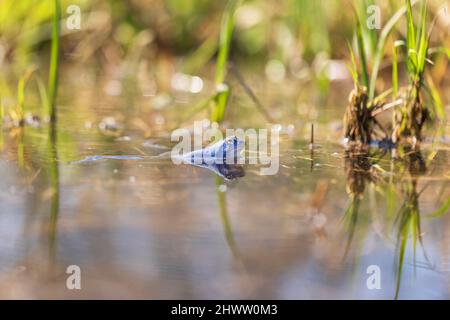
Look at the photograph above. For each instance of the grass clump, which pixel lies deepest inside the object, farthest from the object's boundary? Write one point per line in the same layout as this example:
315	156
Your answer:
359	119
410	118
410	110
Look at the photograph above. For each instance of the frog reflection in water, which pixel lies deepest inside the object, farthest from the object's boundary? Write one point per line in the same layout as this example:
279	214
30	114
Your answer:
221	157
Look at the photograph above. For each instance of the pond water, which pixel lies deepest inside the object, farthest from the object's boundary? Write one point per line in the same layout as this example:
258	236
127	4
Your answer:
146	228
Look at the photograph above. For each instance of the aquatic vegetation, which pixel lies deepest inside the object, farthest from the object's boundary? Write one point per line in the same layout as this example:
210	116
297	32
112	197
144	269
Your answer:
358	120
218	101
223	90
224	218
360	171
54	62
410	118
410	112
53	171
409	215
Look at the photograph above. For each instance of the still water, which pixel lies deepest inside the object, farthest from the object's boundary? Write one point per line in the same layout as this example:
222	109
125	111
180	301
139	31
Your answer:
143	227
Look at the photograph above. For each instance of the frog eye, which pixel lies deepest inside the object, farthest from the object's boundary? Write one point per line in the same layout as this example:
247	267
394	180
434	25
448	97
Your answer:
232	140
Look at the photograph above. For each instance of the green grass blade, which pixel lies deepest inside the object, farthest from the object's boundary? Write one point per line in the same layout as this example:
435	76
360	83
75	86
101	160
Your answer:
380	47
21	85
423	42
2	110
353	68
362	52
54	62
43	96
435	96
221	102
394	72
226	32
411	49
371	33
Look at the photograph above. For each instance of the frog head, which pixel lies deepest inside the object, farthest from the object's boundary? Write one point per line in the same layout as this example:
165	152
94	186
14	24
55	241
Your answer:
232	148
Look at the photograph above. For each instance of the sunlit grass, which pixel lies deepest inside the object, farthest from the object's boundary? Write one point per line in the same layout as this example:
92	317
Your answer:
394	72
226	33
416	43
379	51
411	110
362	53
417	109
54	62
19	113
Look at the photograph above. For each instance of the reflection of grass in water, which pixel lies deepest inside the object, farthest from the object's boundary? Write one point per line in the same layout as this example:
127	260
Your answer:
351	221
221	200
19	115
54	184
21	149
358	168
407	219
408	222
2	113
441	211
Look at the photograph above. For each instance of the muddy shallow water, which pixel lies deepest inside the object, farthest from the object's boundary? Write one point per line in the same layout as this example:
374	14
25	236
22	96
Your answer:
146	228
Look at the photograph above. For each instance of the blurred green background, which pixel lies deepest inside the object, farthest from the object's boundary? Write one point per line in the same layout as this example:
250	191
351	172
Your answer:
146	42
